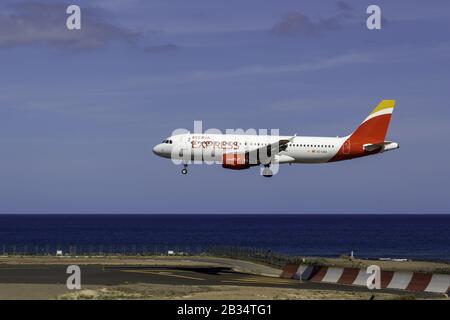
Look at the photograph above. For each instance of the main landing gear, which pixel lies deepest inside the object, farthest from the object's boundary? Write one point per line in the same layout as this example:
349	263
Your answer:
267	172
184	171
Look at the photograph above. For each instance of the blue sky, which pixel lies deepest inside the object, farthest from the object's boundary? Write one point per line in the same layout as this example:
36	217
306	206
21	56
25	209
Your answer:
81	110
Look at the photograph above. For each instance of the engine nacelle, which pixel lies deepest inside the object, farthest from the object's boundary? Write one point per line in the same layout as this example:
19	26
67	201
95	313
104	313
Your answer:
236	161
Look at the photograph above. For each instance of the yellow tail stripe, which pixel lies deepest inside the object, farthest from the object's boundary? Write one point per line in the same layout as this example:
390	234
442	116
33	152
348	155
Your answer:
385	104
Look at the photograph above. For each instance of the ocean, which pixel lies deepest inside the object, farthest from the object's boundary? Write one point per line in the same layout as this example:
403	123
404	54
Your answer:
422	237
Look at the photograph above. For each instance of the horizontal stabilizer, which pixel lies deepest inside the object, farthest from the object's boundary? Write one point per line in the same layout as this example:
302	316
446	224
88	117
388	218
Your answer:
384	146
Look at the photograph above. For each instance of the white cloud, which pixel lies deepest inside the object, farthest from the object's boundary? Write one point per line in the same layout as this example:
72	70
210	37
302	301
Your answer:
253	70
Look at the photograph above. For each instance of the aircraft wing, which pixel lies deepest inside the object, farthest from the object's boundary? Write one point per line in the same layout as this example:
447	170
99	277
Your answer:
277	146
266	153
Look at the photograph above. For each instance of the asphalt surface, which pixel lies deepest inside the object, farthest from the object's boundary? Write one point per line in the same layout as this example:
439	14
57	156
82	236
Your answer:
117	275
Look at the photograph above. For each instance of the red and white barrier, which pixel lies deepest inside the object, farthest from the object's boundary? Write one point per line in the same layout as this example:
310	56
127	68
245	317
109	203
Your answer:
401	280
333	275
289	271
439	283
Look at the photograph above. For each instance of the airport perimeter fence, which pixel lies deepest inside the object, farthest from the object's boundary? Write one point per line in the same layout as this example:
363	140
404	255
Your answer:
259	255
234	252
97	250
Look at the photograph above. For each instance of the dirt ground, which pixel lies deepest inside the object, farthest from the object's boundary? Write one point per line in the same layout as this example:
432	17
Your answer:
145	291
31	291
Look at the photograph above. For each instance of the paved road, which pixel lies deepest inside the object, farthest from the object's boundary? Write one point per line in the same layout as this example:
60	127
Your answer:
116	275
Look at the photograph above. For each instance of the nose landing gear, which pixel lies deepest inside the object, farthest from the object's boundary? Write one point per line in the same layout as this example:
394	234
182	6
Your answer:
267	172
184	170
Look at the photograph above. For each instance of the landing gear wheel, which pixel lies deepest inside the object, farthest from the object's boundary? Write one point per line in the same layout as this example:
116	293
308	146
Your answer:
184	171
267	172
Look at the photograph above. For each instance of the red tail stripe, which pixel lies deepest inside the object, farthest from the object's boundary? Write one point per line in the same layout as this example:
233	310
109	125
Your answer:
372	131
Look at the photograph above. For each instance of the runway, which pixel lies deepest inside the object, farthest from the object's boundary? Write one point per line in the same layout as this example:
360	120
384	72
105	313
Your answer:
123	274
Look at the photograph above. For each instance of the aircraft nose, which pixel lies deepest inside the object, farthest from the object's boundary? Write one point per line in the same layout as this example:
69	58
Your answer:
157	149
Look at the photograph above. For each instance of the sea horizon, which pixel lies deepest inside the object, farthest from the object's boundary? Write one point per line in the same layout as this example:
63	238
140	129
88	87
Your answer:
406	236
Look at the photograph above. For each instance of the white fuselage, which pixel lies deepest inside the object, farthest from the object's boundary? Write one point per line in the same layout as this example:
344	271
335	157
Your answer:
202	146
241	151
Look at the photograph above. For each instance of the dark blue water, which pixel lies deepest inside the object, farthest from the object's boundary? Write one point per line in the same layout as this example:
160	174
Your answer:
402	236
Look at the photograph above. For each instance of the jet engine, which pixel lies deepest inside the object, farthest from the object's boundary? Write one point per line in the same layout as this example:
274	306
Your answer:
236	161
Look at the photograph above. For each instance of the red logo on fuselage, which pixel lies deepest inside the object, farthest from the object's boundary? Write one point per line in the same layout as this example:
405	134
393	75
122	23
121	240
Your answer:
225	145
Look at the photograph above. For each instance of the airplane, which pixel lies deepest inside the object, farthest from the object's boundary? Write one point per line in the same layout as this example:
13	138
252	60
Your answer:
243	151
